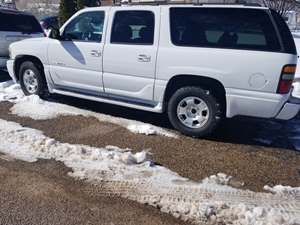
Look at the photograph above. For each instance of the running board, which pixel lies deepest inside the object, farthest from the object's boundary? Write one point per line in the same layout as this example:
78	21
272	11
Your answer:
114	99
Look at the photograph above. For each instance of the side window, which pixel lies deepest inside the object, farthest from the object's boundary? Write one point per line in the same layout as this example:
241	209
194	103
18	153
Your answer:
87	26
250	29
133	27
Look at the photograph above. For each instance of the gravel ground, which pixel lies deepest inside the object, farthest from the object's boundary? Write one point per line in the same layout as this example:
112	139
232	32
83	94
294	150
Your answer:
254	165
42	194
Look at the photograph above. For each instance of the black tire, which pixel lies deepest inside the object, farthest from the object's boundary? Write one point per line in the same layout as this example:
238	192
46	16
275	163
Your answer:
42	89
214	107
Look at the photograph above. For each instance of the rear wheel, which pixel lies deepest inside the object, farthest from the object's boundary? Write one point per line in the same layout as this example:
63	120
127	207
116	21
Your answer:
194	111
32	80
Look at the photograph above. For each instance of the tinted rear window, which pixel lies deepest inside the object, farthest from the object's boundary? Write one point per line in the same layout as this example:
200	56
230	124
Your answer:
250	29
19	23
286	36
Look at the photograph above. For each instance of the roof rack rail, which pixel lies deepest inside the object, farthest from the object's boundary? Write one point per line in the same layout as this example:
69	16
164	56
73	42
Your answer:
180	2
235	3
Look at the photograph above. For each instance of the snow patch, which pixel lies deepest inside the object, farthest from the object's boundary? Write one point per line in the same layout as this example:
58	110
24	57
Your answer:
280	189
144	129
245	215
38	109
220	178
9	91
210	201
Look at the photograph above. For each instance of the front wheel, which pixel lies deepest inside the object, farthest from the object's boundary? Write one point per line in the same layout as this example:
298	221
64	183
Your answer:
194	112
32	80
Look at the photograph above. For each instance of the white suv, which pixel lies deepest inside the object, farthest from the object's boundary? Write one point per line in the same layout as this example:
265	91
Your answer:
198	63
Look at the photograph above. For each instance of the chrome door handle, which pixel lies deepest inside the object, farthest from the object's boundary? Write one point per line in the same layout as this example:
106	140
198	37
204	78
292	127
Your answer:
144	58
95	53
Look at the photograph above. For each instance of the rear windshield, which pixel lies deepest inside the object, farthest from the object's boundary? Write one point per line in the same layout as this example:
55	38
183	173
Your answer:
286	36
250	29
19	23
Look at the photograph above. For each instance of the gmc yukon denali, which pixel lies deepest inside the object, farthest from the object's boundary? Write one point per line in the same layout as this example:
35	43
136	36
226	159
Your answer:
198	63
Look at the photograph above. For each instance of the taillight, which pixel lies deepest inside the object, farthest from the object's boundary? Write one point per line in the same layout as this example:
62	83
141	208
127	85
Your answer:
286	79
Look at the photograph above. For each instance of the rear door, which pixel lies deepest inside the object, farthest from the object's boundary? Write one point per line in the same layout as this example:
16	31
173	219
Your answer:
130	52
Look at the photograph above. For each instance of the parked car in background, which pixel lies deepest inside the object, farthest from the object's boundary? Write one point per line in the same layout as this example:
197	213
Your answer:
16	26
198	63
49	22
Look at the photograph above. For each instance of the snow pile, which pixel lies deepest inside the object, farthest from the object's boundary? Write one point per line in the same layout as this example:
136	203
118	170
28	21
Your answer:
280	189
136	177
245	215
142	129
38	109
220	178
9	91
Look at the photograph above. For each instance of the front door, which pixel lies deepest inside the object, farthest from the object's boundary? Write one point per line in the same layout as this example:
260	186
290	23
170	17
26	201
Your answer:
76	61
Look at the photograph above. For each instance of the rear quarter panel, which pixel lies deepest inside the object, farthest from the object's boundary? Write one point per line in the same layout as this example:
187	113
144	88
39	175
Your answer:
241	69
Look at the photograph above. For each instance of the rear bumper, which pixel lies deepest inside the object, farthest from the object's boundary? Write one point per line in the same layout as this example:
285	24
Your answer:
262	104
290	109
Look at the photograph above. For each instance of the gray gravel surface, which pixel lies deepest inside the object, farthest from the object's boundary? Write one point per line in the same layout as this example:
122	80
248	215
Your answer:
42	194
196	159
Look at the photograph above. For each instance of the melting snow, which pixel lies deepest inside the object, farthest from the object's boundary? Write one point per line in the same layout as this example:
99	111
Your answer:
280	189
220	178
209	201
38	109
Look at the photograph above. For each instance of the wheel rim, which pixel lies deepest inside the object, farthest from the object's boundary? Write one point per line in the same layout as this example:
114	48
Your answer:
193	112
30	81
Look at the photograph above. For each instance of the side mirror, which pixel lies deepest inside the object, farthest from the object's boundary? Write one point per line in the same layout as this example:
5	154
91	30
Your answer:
55	33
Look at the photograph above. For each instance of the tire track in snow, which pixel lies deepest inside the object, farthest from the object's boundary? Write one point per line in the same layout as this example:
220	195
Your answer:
197	197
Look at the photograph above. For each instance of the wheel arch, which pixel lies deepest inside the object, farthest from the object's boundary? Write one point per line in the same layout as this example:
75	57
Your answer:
208	83
23	58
